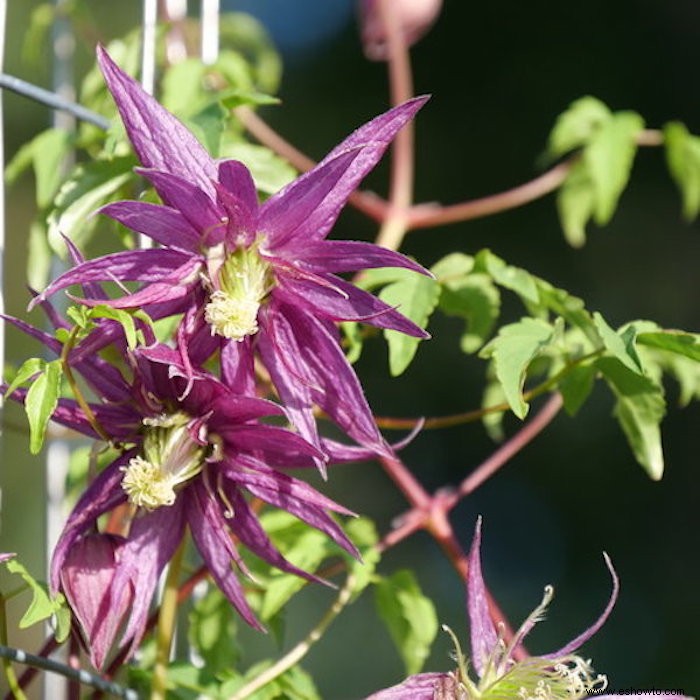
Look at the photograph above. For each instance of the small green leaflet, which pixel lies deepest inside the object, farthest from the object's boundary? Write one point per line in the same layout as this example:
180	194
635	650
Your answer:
29	368
508	276
683	160
294	684
416	297
512	350
576	386
575	201
576	125
639	409
42	605
678	342
40	403
409	616
620	345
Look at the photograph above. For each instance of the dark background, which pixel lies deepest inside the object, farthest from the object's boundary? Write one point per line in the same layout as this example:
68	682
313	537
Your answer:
499	73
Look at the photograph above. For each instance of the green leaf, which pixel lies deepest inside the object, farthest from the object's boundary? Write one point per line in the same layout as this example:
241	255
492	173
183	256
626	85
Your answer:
639	409
120	316
452	268
576	126
683	160
232	99
620	345
352	342
90	186
415	296
678	342
38	255
212	631
576	386
513	349
363	533
514	278
182	87
609	159
29	368
270	172
208	126
409	616
40	403
42	605
575	203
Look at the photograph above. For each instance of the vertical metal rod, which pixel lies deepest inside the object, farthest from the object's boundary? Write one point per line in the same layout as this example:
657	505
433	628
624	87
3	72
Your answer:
148	45
175	12
210	31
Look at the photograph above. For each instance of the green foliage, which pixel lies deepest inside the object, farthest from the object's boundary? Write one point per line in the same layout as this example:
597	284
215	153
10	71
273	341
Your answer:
42	605
683	160
409	616
597	179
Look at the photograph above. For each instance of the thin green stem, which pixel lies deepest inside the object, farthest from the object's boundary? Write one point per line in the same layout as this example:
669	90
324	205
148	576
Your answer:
166	626
12	682
296	654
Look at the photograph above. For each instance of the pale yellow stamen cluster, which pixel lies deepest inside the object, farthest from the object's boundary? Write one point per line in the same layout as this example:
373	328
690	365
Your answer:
170	457
243	282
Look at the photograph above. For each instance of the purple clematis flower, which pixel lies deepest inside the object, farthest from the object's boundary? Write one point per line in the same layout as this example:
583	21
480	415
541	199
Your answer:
560	675
253	279
186	460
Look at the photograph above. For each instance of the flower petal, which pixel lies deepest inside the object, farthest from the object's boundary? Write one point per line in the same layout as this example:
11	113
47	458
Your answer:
159	139
587	634
211	535
422	686
483	632
162	224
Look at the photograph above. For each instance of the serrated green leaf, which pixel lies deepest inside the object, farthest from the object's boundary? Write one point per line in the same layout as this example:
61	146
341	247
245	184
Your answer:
42	605
513	349
124	318
90	186
212	631
575	127
576	386
620	345
514	278
452	268
475	299
40	403
639	409
571	308
683	161
409	616
29	368
678	342
608	159
182	88
575	203
270	172
416	297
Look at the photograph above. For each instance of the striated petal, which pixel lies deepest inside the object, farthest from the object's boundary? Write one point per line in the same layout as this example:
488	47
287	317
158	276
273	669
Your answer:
152	265
162	224
373	139
587	634
422	686
338	300
322	368
237	366
348	256
103	494
289	218
159	139
484	636
196	206
250	532
89	290
86	576
211	536
236	179
153	539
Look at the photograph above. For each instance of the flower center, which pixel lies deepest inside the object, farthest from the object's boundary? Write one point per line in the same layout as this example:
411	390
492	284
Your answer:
170	457
244	281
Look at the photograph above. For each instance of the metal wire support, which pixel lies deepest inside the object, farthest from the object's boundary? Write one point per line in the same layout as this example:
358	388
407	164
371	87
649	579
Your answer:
210	31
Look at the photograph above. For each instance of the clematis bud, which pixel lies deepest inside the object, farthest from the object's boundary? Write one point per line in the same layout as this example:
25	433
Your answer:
86	578
415	17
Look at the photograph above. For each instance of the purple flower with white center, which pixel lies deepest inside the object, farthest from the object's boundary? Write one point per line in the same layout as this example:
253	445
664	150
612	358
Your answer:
187	460
560	675
253	278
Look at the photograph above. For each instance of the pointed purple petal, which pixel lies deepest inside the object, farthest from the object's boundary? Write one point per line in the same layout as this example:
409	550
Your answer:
587	634
483	632
373	139
422	686
162	224
211	535
159	139
236	178
91	290
290	216
339	300
103	494
237	366
348	256
196	206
